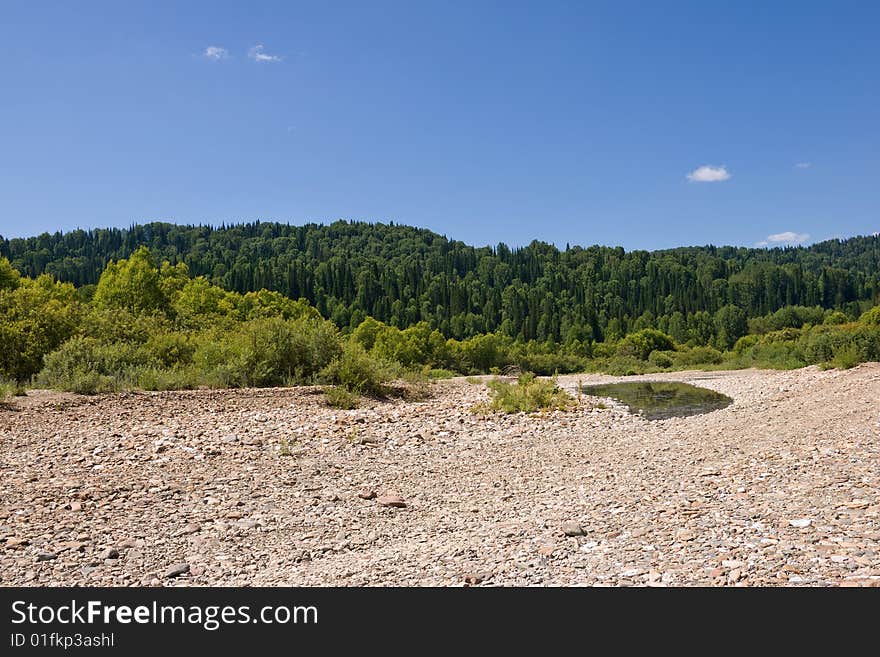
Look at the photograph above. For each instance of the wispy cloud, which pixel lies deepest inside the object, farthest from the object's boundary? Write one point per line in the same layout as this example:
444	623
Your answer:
215	53
803	165
788	238
709	173
258	54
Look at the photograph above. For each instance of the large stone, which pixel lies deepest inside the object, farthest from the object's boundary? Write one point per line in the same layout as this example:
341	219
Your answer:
571	528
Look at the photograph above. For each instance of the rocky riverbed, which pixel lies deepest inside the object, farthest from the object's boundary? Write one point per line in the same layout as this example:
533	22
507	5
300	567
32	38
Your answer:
272	487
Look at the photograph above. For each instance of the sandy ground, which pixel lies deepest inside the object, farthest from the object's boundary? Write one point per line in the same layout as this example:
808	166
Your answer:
271	487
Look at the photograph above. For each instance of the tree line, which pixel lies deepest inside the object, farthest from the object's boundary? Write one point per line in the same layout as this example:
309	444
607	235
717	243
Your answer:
401	276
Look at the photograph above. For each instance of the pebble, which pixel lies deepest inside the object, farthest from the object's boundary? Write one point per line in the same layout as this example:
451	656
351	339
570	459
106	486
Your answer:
682	502
176	570
571	528
391	500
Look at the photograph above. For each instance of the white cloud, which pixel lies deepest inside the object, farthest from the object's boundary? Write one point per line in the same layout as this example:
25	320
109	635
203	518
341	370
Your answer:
788	238
709	173
258	54
803	165
215	52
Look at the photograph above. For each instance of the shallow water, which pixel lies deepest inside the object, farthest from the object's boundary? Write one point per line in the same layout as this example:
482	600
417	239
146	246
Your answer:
658	400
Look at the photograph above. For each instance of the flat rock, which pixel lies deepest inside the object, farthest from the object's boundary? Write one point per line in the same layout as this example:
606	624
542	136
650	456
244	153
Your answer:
391	500
176	570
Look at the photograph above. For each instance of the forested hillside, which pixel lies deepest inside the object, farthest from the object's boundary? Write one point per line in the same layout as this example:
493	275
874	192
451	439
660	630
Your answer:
402	275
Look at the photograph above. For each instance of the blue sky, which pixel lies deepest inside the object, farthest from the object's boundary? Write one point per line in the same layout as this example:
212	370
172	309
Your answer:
562	121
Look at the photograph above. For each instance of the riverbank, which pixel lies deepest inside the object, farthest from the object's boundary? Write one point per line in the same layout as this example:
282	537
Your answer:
272	487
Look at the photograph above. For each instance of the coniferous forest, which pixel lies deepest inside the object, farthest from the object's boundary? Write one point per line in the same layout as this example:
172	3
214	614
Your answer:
402	275
356	304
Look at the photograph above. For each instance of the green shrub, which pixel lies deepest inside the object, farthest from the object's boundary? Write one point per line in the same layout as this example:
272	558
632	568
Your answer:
641	343
440	374
835	317
7	388
774	354
547	364
340	397
604	349
170	349
267	352
872	317
358	372
151	378
698	356
529	394
621	366
745	343
846	356
88	366
662	359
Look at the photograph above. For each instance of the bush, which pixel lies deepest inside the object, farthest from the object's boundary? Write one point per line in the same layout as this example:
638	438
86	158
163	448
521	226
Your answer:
698	356
87	366
872	317
36	317
745	343
835	317
551	363
170	349
774	354
268	352
151	378
7	388
642	343
358	372
440	374
340	397
529	394
662	359
846	356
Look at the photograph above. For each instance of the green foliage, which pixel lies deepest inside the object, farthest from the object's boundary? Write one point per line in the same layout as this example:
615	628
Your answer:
269	303
268	352
7	390
152	325
440	374
872	317
623	366
528	395
366	332
846	356
731	323
358	372
401	276
662	359
35	317
835	317
341	397
417	344
698	356
86	365
153	378
789	317
640	344
481	353
198	303
131	284
9	277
